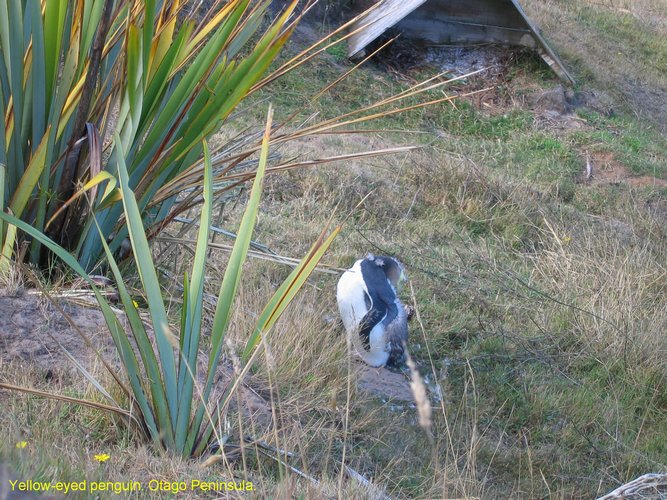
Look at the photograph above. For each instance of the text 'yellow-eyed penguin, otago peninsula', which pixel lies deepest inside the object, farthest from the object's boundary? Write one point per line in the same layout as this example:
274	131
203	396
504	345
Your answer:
374	317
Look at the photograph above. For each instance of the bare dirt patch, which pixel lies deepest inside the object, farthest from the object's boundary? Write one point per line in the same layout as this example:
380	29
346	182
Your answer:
605	170
558	123
33	330
385	384
33	333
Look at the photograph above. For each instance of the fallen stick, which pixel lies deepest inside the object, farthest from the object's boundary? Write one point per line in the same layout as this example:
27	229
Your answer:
656	482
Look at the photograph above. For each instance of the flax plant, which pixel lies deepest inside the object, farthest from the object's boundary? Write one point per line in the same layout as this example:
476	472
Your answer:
72	73
170	402
105	108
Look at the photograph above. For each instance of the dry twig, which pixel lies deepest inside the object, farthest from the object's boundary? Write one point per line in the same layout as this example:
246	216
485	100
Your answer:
646	486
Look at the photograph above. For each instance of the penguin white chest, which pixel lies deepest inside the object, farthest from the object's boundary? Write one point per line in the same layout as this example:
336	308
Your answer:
373	317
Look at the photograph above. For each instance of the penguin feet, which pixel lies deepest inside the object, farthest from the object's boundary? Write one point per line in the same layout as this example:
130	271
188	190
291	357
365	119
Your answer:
409	312
396	368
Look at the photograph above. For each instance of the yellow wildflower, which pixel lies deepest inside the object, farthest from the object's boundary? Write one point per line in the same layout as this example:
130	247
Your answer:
103	457
21	444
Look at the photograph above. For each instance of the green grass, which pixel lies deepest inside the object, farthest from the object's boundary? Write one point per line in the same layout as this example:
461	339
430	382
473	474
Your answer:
641	149
640	42
618	48
339	51
541	298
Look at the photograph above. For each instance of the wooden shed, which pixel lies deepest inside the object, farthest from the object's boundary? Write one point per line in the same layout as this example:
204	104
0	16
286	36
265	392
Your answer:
455	22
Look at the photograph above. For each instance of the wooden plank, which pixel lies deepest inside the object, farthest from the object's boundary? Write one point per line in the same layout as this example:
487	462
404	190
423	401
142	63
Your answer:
377	21
484	12
546	53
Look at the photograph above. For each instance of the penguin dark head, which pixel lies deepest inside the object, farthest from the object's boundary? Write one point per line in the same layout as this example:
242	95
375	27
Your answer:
392	268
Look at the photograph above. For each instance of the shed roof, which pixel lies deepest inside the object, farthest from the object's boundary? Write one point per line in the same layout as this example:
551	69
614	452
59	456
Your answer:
456	21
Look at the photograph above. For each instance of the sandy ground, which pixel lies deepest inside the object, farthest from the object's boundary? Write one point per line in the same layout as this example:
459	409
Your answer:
35	333
32	330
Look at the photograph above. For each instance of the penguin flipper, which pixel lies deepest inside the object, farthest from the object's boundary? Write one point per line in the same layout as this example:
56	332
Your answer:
374	316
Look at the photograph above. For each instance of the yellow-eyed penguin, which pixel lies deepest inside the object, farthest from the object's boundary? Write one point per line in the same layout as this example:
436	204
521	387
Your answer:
375	319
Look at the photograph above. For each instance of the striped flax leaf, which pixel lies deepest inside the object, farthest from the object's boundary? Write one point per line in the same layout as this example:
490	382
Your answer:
54	21
231	280
38	76
190	334
161	68
29	179
55	119
147	33
164	336
155	411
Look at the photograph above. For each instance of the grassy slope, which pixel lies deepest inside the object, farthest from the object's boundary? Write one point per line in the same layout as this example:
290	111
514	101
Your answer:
620	46
541	298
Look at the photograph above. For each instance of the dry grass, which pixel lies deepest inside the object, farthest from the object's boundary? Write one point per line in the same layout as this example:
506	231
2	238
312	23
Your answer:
620	277
620	46
539	331
12	280
482	336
